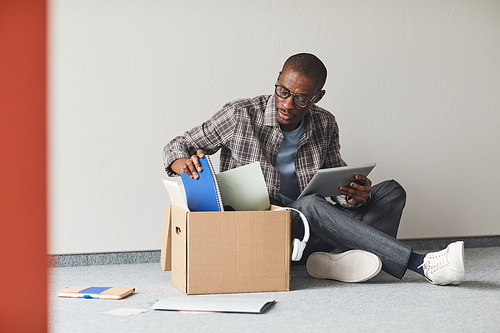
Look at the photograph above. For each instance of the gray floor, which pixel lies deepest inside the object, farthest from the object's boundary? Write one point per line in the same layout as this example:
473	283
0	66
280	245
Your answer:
383	304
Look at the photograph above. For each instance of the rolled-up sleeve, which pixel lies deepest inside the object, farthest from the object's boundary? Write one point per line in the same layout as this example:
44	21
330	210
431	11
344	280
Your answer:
209	136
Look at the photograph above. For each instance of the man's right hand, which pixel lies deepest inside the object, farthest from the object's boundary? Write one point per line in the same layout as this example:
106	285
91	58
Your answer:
191	166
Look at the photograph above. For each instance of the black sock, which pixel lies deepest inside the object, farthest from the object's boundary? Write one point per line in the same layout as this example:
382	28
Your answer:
415	262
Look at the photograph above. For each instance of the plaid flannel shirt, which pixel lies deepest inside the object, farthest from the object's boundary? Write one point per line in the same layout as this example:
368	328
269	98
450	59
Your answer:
247	131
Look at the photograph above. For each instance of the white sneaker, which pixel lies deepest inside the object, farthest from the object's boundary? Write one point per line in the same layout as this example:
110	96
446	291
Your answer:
350	266
446	266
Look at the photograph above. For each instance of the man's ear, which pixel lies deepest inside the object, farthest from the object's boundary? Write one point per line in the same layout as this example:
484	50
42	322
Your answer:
319	96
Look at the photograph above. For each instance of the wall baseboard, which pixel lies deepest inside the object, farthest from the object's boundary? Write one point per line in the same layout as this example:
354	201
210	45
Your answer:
142	257
432	244
113	258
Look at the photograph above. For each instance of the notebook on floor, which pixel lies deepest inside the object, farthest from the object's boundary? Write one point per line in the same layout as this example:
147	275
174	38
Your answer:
96	292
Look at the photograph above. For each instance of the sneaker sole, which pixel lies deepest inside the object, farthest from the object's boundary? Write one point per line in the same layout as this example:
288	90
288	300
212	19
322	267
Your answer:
350	266
459	261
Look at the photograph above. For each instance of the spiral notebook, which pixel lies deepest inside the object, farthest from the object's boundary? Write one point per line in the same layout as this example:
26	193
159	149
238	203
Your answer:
203	194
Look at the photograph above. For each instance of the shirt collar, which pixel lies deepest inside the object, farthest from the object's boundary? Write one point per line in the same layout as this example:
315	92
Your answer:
270	113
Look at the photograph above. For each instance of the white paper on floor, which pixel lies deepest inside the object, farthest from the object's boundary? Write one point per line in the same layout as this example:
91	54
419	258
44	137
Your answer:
126	311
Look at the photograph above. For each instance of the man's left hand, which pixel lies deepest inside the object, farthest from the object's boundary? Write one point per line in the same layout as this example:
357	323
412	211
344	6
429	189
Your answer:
357	192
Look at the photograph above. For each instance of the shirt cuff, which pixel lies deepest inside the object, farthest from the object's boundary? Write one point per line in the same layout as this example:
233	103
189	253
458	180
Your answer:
342	200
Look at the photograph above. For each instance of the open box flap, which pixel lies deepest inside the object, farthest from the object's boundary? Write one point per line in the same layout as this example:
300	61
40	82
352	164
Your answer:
166	241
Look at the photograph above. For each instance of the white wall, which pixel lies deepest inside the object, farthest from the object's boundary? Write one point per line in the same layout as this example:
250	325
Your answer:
413	84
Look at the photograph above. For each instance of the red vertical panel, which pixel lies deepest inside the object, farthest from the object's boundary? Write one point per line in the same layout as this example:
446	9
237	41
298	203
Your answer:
23	210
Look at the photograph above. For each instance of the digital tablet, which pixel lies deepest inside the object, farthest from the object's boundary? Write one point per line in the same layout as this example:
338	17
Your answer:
328	181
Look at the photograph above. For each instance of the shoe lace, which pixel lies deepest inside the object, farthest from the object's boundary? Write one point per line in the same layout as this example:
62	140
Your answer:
434	262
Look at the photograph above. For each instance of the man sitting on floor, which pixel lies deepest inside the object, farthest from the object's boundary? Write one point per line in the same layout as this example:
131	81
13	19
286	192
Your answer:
292	139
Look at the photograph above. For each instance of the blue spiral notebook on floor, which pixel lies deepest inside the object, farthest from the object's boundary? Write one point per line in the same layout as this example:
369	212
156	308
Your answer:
203	194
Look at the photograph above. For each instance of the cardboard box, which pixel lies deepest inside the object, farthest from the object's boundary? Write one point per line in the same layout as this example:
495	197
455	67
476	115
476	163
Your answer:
227	252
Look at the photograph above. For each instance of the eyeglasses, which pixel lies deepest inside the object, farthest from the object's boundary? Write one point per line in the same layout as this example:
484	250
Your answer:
300	100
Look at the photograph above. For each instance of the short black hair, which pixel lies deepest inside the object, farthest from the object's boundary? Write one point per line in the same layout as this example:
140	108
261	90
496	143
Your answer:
308	65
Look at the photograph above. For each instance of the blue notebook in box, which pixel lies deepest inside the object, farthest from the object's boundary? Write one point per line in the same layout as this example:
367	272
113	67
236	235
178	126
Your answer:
203	194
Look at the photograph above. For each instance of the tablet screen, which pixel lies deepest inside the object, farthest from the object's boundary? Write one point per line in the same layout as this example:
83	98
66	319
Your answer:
328	181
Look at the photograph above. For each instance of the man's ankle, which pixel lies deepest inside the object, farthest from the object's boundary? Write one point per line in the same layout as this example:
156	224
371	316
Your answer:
415	263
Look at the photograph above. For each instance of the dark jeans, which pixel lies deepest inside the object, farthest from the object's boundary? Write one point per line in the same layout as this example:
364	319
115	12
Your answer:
371	227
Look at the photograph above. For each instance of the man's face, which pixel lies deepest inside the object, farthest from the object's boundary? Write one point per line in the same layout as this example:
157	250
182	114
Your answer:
288	113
